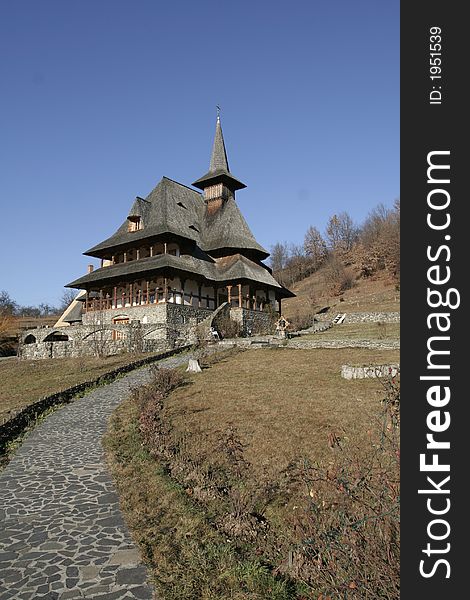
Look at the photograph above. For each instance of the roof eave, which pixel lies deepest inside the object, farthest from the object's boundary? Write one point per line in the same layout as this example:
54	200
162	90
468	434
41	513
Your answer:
213	177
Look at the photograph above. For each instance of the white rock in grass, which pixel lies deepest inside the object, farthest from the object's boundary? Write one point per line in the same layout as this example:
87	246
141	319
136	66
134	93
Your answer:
194	366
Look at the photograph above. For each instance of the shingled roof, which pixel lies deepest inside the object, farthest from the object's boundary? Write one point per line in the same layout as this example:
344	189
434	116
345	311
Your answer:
223	269
172	207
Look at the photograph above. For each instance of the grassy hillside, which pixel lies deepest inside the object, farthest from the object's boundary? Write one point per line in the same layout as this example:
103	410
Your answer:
374	294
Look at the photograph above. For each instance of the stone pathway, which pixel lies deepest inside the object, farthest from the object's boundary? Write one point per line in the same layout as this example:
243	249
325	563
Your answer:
62	535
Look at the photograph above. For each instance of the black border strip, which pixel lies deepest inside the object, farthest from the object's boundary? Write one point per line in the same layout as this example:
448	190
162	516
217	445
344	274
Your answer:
426	128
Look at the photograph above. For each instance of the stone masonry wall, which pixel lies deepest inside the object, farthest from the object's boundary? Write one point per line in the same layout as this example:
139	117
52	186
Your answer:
254	320
376	317
165	326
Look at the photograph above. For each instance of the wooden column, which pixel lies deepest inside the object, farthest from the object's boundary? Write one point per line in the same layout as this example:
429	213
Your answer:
131	294
137	253
148	292
151	250
199	292
115	297
183	281
125	256
165	289
239	295
279	302
229	298
86	301
164	246
113	260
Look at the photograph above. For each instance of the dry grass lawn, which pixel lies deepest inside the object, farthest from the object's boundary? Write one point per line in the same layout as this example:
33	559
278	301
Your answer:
283	402
22	382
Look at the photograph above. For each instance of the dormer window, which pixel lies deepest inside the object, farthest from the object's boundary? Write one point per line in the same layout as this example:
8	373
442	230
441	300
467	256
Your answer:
135	223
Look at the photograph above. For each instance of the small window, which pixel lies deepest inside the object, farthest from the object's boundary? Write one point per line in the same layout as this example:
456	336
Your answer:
181	204
135	223
194	228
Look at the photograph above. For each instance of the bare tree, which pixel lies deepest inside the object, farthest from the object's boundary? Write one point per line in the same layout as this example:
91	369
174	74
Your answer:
341	232
67	298
380	241
7	305
315	247
279	256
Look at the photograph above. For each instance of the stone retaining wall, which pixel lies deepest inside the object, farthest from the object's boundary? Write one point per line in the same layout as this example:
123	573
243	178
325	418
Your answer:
370	344
255	320
372	317
350	372
21	420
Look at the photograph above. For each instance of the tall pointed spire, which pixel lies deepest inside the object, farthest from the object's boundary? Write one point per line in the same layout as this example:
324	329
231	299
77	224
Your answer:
219	171
219	159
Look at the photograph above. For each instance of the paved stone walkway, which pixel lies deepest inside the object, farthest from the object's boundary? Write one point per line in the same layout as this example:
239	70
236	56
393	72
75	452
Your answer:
62	535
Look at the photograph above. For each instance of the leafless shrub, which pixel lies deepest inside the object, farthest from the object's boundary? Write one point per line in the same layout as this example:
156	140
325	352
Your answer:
228	327
347	531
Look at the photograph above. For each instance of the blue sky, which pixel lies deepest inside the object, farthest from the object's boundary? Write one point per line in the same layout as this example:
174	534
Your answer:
100	99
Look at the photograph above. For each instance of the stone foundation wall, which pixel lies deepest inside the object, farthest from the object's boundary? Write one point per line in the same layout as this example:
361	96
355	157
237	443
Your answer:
163	327
254	320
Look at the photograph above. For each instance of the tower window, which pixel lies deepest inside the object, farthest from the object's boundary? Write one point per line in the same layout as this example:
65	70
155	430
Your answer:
135	224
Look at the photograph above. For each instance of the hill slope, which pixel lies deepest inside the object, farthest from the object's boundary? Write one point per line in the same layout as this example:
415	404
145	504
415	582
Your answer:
374	294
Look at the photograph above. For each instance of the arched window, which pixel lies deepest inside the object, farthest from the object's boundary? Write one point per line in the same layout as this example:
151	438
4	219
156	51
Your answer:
56	337
30	339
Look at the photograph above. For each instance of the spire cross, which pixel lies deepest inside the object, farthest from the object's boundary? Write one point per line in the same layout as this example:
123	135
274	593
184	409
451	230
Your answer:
218	112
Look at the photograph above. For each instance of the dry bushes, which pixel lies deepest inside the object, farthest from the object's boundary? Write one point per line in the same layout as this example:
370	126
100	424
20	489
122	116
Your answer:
213	470
348	530
341	540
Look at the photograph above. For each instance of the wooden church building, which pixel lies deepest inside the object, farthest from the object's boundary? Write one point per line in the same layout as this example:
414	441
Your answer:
179	258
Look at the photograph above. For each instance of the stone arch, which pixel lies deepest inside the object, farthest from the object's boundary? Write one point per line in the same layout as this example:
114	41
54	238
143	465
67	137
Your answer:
107	331
30	339
159	327
56	336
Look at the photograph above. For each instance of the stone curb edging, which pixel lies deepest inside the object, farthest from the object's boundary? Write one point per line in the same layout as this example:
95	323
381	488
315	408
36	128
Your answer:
18	424
371	371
